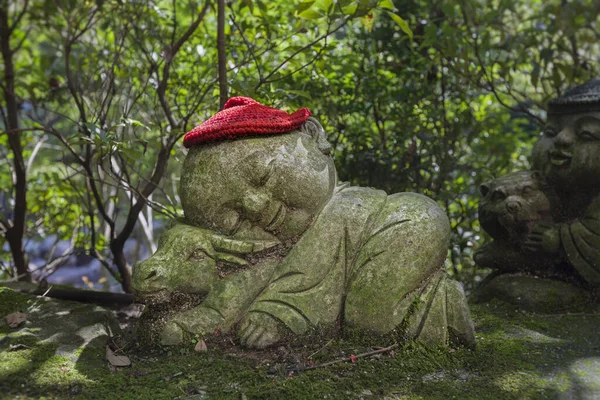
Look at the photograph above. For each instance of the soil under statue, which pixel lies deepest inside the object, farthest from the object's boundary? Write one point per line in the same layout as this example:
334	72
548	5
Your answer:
558	204
276	246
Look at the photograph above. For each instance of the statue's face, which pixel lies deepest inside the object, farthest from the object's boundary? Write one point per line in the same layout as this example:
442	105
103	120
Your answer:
257	188
568	153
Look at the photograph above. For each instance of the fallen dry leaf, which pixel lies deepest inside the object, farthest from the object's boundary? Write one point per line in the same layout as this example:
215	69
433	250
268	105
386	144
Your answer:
116	360
18	346
15	319
201	346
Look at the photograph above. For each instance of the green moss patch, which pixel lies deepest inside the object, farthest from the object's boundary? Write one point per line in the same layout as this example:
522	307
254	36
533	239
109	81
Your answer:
519	355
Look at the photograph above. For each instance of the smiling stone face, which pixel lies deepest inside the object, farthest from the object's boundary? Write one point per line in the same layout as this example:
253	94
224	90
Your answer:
568	153
257	189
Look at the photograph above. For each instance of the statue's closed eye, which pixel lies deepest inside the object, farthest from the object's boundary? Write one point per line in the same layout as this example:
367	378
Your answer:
527	190
549	132
587	135
498	195
264	178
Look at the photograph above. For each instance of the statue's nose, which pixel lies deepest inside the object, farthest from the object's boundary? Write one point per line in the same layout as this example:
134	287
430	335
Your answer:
565	137
255	202
513	206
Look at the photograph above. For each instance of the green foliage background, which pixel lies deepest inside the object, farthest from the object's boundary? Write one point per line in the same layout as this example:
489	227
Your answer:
428	96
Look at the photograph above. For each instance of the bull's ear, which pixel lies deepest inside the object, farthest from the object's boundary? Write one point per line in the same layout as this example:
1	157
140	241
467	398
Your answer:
198	255
314	129
176	221
484	189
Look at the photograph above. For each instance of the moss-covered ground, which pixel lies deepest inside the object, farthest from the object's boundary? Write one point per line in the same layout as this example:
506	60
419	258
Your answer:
519	355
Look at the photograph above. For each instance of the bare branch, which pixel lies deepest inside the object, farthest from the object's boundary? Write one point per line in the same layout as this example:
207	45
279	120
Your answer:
172	52
17	20
37	147
248	45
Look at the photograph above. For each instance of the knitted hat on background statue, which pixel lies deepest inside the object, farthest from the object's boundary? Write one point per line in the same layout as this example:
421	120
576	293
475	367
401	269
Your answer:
582	98
242	117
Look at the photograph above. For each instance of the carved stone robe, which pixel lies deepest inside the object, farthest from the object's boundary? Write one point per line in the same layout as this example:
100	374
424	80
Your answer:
373	262
581	243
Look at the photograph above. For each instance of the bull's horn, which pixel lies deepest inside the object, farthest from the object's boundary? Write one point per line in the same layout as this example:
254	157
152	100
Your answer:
230	258
241	246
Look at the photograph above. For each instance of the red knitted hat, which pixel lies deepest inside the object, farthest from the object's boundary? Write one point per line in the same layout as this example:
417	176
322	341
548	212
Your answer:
241	117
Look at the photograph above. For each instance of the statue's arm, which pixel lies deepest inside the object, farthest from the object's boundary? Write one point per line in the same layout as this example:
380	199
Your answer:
581	244
544	237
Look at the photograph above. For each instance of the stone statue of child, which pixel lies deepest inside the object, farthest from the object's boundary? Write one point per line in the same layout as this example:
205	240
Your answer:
563	237
353	256
568	156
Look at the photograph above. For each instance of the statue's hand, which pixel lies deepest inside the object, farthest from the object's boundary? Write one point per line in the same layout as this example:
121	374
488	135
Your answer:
199	320
544	237
258	331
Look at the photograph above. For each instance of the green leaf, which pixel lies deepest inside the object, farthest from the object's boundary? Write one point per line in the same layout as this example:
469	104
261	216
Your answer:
324	5
250	5
261	6
305	5
565	69
134	123
387	4
311	14
367	21
300	93
402	24
350	9
96	130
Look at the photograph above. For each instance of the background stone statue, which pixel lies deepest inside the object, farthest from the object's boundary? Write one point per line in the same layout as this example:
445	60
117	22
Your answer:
275	245
560	236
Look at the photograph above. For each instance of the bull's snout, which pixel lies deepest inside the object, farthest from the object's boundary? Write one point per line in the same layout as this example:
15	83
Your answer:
147	277
151	275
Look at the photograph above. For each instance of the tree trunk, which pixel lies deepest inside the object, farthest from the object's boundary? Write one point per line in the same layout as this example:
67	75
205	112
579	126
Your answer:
14	234
122	266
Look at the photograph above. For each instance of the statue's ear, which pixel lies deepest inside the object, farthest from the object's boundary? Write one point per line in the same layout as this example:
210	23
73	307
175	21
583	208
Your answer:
313	128
484	189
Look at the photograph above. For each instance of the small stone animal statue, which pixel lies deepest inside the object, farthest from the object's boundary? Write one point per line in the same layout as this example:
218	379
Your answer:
510	208
511	204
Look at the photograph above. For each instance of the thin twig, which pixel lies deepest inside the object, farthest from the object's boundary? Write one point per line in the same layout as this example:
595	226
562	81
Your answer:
294	54
347	359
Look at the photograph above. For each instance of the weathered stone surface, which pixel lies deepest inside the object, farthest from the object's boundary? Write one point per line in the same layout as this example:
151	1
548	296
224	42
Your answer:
307	251
533	293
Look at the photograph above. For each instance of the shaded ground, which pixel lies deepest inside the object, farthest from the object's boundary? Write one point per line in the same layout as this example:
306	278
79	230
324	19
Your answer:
519	355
